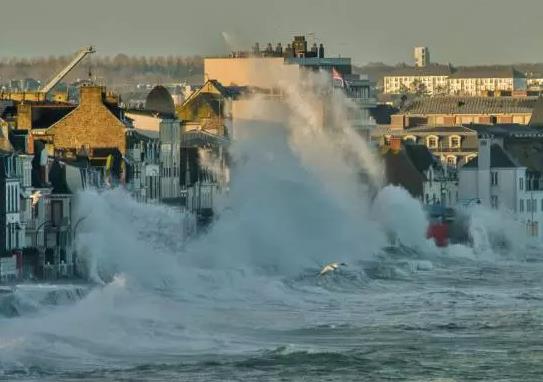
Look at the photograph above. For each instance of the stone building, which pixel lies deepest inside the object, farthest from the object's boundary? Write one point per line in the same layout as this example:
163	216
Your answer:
96	123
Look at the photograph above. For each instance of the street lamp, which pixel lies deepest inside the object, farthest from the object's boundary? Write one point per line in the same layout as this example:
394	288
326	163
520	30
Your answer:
40	252
74	233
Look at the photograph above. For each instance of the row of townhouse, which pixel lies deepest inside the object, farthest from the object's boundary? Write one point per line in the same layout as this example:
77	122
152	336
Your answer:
37	196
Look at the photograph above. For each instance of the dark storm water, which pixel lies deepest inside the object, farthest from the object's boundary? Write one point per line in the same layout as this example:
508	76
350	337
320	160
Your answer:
456	319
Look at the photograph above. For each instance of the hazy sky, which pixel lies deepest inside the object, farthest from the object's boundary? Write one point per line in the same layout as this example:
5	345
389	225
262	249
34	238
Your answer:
457	31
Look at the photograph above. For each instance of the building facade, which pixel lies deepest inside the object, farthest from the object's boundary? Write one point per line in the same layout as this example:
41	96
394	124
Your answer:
507	176
422	56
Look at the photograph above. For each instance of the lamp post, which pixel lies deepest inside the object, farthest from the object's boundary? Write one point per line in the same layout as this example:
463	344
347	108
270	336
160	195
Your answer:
74	233
41	252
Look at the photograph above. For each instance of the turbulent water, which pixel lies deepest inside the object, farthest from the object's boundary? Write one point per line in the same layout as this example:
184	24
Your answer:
244	300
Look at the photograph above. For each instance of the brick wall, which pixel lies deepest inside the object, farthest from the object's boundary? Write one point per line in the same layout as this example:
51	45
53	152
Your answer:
91	125
24	116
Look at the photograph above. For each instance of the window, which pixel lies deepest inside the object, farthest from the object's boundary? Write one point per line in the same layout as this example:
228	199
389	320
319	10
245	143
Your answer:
494	201
521	184
454	142
494	178
431	142
528	205
56	213
521	206
451	161
533	228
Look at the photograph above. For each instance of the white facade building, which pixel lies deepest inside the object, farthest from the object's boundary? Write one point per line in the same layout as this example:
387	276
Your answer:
497	180
422	56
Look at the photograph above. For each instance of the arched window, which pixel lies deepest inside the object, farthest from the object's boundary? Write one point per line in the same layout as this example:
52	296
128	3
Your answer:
451	160
432	141
469	157
455	141
411	138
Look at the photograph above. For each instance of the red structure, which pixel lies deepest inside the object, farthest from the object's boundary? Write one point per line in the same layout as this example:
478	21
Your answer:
439	232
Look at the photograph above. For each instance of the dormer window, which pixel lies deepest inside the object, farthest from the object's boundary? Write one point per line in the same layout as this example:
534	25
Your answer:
454	142
451	161
432	141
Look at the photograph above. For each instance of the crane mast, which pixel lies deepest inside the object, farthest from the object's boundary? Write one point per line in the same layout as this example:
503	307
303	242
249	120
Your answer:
76	60
41	94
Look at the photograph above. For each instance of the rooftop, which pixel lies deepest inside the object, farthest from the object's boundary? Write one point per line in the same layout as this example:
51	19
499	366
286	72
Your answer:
498	158
470	105
429	70
488	72
458	129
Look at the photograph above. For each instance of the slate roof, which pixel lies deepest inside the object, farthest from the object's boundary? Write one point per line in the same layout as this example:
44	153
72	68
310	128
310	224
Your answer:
498	158
381	113
412	71
507	130
537	115
488	72
420	156
470	105
458	129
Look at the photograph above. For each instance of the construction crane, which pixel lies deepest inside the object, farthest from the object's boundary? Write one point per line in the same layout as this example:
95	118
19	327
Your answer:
41	94
76	60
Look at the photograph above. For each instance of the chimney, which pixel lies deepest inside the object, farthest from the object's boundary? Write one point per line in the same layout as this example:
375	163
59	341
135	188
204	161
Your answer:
321	51
24	116
395	144
483	170
397	121
29	144
91	94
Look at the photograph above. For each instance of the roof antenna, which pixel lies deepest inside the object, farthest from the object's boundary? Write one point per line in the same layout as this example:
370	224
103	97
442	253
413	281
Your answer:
90	74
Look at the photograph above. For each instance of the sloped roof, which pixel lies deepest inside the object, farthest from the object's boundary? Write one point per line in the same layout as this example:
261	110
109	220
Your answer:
498	158
536	119
429	70
458	129
470	105
382	113
420	156
488	72
400	170
527	151
507	130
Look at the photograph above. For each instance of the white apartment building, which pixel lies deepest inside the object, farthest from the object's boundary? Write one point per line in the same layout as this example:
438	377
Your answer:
431	79
439	79
475	82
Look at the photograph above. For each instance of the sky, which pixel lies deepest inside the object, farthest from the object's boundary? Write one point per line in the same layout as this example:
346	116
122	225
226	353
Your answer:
462	32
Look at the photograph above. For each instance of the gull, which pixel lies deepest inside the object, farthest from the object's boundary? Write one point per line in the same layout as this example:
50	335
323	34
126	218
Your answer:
330	268
35	197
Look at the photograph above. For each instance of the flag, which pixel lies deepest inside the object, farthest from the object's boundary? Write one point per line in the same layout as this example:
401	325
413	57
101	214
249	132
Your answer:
336	76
